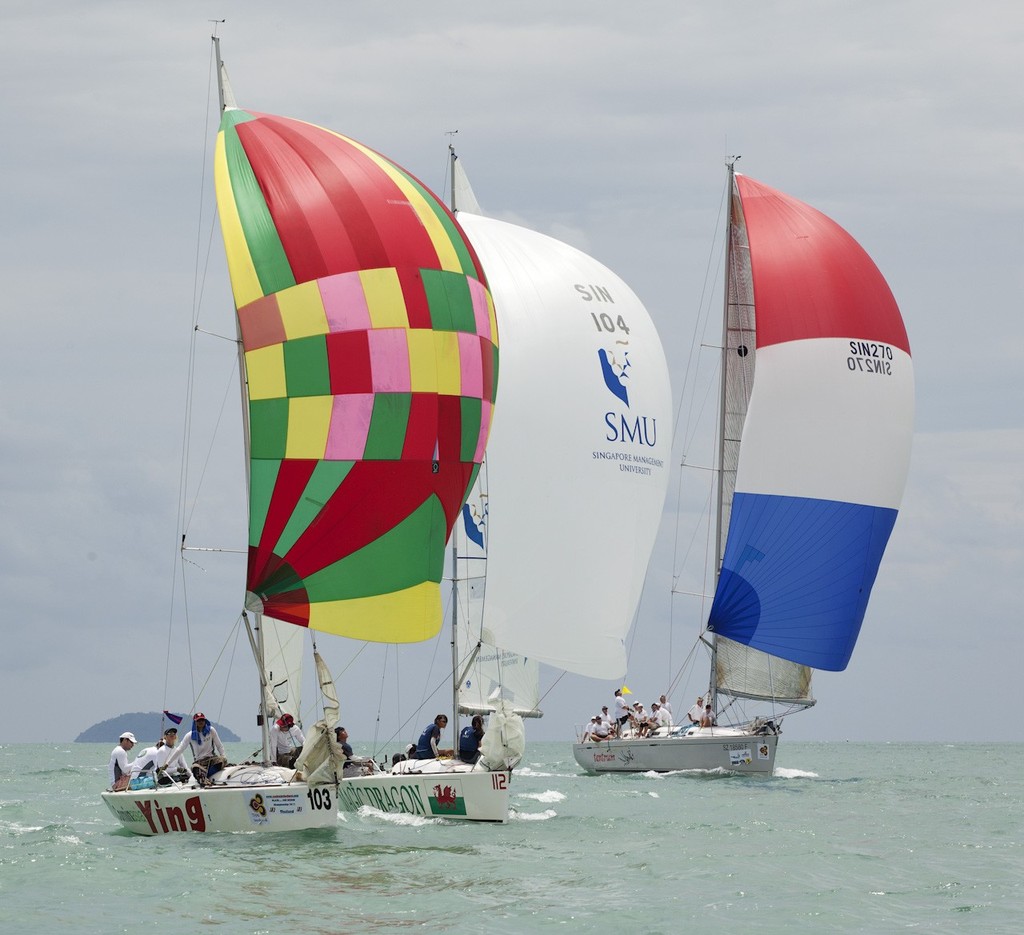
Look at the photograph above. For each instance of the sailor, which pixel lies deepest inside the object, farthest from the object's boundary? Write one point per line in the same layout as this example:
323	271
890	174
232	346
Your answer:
639	719
697	711
621	711
659	717
286	740
155	761
426	747
208	755
342	737
469	740
599	729
119	770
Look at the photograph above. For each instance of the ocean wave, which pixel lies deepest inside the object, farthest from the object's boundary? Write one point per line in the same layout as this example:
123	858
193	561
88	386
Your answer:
532	816
398	818
549	795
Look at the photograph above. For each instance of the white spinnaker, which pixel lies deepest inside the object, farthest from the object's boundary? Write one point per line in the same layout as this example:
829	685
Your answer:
576	473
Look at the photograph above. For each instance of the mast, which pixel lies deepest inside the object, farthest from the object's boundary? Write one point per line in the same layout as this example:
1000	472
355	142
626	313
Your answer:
455	641
723	385
451	174
227	102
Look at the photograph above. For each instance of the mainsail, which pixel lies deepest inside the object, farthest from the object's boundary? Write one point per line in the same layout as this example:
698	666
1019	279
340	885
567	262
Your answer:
283	647
819	387
487	673
370	358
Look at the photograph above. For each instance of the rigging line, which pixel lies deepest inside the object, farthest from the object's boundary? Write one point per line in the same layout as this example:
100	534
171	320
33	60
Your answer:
380	696
188	632
318	702
198	280
703	315
216	662
228	387
551	688
231	660
688	665
680	563
416	713
196	290
188	402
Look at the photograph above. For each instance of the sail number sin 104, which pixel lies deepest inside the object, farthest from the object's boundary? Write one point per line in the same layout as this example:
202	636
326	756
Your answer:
602	321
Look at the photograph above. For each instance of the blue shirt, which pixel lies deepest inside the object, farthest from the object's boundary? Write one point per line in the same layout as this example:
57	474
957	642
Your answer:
424	751
469	743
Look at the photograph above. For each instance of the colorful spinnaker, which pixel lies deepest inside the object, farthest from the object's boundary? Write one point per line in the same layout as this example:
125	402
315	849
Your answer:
370	356
826	437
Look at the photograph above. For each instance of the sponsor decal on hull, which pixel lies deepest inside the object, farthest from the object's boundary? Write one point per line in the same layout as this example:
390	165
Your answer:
397	797
739	756
165	819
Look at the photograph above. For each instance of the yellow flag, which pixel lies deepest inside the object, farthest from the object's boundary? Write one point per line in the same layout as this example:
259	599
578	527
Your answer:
625	690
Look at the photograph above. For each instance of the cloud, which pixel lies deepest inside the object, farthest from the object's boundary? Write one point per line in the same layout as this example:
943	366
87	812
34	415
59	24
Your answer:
605	126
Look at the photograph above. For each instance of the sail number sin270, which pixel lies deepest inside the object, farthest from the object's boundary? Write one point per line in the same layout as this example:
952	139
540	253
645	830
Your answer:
870	357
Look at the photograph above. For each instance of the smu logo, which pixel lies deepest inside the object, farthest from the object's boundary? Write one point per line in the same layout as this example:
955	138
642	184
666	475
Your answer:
615	373
474	520
624	426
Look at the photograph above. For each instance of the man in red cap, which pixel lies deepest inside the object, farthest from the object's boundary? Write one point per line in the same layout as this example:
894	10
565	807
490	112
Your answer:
286	740
208	755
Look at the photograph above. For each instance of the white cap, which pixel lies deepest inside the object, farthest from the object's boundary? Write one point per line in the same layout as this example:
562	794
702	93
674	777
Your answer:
128	735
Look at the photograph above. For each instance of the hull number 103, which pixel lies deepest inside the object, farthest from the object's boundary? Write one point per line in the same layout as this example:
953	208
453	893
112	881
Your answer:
319	798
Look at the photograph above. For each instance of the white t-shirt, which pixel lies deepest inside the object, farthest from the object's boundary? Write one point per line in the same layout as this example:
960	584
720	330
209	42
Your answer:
118	759
285	741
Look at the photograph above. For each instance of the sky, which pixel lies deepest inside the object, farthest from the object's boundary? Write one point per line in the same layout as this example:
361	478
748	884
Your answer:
606	125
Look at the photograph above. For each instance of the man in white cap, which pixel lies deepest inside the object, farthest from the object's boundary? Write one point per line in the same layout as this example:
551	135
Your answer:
158	760
119	772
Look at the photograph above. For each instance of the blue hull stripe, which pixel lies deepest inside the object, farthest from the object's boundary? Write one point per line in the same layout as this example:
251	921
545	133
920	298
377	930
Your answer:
797	575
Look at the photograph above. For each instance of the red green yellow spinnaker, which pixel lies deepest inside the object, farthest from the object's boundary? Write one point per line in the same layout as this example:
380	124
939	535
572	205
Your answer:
371	362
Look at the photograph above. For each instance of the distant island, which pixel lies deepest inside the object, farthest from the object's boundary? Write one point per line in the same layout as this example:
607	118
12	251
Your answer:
145	725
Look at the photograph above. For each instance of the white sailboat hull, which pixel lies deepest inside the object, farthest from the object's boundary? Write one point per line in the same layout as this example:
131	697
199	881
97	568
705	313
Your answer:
241	804
431	789
705	749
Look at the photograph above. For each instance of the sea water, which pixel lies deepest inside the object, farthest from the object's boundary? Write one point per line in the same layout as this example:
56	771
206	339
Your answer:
845	837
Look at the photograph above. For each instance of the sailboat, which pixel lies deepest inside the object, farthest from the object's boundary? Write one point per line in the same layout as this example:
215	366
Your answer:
368	352
815	425
558	528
